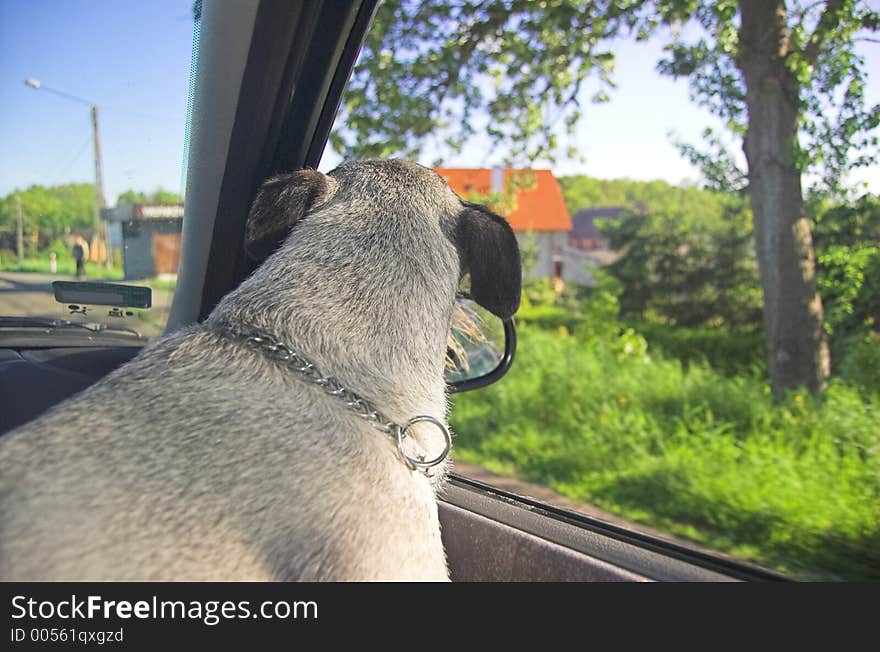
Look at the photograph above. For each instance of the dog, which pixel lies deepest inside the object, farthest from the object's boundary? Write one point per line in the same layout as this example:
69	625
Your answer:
209	458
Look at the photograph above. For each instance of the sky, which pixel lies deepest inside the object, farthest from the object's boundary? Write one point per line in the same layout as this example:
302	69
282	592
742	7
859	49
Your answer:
132	59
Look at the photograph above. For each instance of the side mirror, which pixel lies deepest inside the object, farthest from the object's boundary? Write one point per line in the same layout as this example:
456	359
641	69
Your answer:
480	346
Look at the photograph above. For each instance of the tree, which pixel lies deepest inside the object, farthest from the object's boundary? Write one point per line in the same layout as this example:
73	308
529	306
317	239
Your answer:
686	257
158	196
131	197
50	211
428	70
687	252
788	81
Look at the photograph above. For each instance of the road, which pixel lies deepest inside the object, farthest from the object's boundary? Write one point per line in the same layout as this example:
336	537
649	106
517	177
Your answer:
30	294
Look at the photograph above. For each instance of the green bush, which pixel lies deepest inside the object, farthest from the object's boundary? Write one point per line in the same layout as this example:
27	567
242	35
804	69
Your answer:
730	353
549	318
860	362
590	313
847	244
684	448
63	251
849	282
587	312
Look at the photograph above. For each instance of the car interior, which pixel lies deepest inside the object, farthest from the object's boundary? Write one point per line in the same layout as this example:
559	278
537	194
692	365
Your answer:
269	78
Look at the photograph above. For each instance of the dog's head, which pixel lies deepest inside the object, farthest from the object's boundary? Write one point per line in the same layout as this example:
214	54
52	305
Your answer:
485	243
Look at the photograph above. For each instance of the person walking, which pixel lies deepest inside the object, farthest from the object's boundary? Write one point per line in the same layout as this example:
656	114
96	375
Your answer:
80	255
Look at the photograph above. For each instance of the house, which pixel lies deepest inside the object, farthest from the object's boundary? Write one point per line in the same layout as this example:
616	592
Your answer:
584	235
537	212
586	247
150	237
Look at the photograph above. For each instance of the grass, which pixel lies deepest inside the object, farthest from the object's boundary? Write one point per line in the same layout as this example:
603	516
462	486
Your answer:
65	267
162	284
697	452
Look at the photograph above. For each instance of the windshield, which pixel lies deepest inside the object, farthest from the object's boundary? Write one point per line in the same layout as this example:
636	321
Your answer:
91	170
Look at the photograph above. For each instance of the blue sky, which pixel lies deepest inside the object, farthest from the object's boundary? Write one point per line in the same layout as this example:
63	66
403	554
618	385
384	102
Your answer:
130	58
133	59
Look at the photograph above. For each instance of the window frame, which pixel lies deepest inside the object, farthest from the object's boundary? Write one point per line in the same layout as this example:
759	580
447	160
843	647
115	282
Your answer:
299	57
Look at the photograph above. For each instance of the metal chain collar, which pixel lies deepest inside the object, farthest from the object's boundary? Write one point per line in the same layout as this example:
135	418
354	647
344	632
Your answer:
291	358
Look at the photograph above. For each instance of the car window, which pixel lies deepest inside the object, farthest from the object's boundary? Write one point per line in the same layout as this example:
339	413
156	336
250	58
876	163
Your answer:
91	174
642	392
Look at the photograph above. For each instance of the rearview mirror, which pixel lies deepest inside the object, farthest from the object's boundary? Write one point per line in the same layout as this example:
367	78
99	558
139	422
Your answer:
480	346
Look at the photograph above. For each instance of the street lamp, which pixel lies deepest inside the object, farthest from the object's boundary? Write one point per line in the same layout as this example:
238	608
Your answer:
99	202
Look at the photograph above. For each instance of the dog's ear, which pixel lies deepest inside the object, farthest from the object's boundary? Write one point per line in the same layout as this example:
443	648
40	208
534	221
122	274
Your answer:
488	251
281	202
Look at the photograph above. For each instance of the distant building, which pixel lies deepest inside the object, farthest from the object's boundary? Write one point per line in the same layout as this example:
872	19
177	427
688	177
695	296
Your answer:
586	247
539	213
150	237
584	234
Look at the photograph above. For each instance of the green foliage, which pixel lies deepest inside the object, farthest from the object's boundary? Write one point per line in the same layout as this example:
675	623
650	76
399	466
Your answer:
56	211
158	196
719	168
131	197
716	271
742	352
585	311
594	312
847	242
580	191
836	129
859	357
700	454
676	427
50	210
850	279
688	260
428	69
439	73
62	250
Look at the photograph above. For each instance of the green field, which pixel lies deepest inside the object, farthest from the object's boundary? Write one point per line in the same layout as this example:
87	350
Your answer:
66	266
698	452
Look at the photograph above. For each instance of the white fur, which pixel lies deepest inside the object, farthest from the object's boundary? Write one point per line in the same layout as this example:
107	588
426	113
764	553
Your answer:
205	460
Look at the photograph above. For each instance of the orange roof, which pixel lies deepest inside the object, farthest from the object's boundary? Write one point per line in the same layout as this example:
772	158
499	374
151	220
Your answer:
538	208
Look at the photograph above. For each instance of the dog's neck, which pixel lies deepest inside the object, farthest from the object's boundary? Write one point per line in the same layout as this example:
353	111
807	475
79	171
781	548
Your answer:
372	313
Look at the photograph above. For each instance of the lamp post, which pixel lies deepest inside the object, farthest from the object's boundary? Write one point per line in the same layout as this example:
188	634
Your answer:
99	202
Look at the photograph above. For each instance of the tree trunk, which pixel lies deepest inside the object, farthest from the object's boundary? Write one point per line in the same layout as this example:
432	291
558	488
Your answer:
796	343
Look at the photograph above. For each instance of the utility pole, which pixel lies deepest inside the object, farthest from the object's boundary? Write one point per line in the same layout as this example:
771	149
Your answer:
102	232
19	229
100	202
